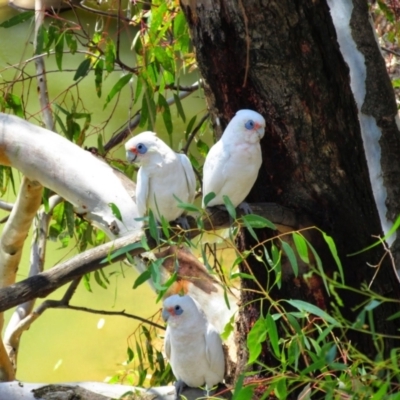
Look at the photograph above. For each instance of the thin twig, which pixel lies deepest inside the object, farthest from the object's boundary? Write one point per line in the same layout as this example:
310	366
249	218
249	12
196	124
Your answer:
395	53
134	122
185	149
104	312
71	290
247	42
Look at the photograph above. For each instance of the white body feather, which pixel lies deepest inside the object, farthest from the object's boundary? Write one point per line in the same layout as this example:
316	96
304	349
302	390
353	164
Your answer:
162	174
232	164
193	345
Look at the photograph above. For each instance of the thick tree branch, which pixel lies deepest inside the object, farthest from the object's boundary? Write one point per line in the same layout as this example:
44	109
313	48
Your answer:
46	282
84	191
11	245
43	284
13	332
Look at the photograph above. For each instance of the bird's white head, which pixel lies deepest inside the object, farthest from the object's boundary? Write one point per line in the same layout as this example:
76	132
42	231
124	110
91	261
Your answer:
140	148
177	309
246	124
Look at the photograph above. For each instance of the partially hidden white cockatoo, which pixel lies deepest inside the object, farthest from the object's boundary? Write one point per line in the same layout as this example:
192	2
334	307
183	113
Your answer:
232	164
192	345
162	174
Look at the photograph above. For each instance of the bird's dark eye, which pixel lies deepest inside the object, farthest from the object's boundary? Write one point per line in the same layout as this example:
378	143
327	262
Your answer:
141	148
178	310
249	124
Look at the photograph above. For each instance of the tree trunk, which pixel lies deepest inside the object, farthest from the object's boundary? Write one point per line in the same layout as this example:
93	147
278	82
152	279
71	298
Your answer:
281	58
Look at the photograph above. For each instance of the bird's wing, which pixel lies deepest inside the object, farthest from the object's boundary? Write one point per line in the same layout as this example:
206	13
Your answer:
213	170
167	344
189	173
214	351
142	191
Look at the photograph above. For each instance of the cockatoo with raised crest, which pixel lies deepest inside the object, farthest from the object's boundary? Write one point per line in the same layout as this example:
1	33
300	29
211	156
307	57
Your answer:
232	164
162	175
192	345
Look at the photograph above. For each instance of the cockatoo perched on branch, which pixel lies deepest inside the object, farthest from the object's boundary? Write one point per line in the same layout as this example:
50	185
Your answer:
232	164
162	174
192	344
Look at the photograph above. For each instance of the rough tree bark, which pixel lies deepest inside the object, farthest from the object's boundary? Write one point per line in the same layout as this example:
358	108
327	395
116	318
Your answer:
282	59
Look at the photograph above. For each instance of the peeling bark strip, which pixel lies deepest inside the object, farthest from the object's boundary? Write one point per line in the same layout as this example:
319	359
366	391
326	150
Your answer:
76	175
313	154
376	104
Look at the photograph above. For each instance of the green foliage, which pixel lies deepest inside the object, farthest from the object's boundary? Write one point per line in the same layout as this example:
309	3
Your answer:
309	344
117	88
144	358
17	19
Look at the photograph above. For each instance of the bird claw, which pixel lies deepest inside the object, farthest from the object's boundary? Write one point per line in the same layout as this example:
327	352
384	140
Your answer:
179	386
245	207
183	222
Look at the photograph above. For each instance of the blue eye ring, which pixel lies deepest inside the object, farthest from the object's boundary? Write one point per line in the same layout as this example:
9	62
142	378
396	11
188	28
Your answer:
178	310
141	148
249	124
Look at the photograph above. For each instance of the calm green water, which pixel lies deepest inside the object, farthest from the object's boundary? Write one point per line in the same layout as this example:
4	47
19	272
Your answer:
65	345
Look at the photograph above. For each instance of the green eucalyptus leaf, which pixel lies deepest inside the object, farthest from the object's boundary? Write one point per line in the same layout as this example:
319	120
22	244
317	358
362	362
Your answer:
98	280
69	217
291	256
71	41
98	76
303	306
273	334
202	147
83	69
14	102
115	210
41	40
258	222
256	336
190	125
179	107
229	206
166	113
109	55
208	197
128	248
17	19
332	247
301	246
59	50
117	88
142	278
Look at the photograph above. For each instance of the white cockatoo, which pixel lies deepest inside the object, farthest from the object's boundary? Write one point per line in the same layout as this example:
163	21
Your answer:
162	174
192	345
232	164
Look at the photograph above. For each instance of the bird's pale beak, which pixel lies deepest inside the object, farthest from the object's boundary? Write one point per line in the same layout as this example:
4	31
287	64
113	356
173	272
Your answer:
259	129
165	314
131	156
